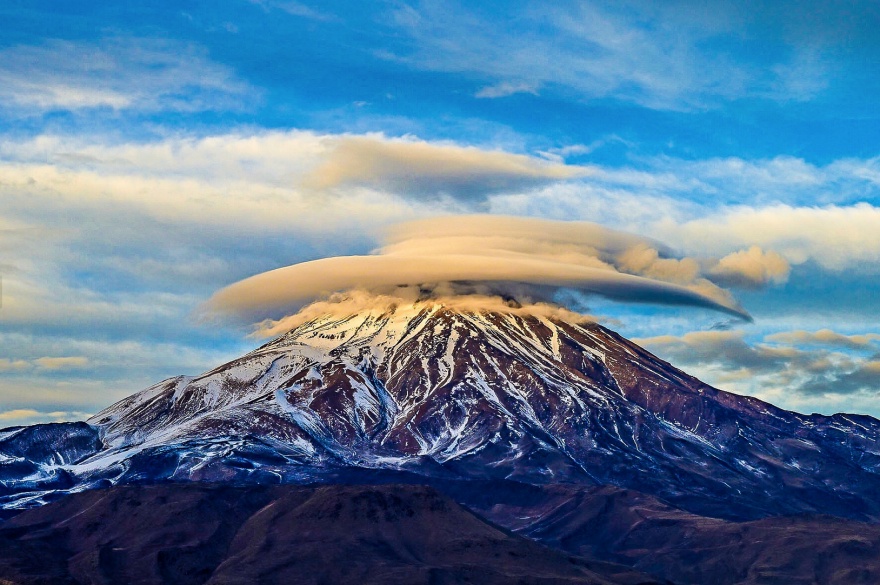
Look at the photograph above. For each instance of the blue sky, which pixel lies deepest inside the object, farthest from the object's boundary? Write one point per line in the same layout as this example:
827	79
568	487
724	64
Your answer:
154	153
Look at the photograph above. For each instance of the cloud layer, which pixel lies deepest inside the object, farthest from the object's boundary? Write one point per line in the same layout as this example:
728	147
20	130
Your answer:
117	73
661	56
414	168
497	253
819	370
45	363
150	157
157	226
357	301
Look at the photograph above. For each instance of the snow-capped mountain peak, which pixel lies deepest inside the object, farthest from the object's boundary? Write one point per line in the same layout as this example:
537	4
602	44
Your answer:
469	391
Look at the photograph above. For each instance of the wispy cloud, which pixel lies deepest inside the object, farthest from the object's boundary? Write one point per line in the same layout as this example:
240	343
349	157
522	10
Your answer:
755	182
8	365
785	206
661	58
131	236
574	150
118	73
294	8
29	416
421	108
507	88
45	363
106	368
726	349
794	368
61	363
825	337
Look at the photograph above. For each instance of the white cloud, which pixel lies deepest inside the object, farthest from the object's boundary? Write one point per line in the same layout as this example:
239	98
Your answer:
507	88
105	370
29	416
794	369
355	301
411	168
62	363
294	9
158	225
825	337
499	253
784	206
836	237
7	365
19	413
270	180
752	268
653	55
46	363
117	73
572	150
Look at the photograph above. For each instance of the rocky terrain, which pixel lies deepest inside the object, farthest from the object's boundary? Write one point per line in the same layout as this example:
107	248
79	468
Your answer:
188	534
559	430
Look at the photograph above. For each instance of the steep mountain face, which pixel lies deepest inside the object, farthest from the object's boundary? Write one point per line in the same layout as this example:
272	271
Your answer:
450	394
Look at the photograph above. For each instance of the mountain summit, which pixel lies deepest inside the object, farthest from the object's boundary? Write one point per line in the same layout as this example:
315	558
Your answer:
444	393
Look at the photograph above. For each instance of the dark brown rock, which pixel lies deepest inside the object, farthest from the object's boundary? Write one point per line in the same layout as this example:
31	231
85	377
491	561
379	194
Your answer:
190	534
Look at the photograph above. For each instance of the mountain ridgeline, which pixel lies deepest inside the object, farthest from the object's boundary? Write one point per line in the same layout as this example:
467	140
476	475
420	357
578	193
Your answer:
516	415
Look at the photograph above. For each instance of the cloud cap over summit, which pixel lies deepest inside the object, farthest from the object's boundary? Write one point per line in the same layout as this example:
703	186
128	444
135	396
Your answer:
495	254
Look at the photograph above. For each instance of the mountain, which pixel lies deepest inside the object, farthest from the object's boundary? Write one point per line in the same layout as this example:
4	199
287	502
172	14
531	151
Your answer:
219	534
195	533
637	530
440	393
541	426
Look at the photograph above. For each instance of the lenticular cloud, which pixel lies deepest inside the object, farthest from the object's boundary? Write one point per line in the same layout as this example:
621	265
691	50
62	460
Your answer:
448	256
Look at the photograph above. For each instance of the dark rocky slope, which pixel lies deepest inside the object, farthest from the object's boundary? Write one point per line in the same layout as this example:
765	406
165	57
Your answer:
192	534
635	529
